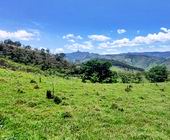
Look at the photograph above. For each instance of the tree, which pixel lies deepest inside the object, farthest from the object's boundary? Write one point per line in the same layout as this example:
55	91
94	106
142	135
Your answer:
98	71
157	74
28	47
17	43
60	56
8	42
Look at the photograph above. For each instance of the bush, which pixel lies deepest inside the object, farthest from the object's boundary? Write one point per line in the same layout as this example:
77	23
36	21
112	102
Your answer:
20	91
36	87
125	79
128	88
33	82
66	115
131	77
57	100
49	94
157	74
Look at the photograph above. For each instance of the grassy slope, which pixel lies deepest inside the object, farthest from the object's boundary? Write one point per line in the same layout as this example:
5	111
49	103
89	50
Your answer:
30	115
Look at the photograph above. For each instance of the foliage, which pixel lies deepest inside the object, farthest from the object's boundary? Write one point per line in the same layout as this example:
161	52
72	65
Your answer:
57	100
157	74
49	94
98	71
26	55
127	77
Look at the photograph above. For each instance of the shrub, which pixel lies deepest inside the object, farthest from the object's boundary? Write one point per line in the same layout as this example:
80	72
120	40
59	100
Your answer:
2	120
128	88
49	94
40	79
114	106
125	79
57	100
36	87
20	91
66	115
157	74
32	104
33	82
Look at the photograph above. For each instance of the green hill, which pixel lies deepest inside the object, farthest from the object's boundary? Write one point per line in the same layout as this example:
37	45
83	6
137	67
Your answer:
140	60
87	111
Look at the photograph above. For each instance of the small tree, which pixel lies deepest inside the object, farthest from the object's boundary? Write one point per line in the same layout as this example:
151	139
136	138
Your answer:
98	71
157	74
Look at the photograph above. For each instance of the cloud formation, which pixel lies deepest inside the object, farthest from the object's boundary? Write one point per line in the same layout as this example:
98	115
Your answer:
104	44
19	35
87	45
72	38
121	31
100	38
59	50
162	37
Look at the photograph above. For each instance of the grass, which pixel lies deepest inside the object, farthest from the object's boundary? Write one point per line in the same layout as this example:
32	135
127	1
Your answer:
87	111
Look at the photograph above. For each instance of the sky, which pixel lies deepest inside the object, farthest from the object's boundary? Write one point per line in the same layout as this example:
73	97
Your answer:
98	26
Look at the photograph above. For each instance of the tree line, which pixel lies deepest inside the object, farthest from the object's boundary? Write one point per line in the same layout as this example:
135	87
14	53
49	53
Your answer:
100	71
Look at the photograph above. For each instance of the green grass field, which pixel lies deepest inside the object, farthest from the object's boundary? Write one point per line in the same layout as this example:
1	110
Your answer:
88	111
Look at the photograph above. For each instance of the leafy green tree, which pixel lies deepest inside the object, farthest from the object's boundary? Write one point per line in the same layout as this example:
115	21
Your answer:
157	74
98	71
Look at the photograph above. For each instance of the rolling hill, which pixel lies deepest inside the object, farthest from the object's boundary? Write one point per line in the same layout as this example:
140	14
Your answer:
144	60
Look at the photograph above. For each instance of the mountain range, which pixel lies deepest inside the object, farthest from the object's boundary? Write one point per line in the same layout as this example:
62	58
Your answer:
144	60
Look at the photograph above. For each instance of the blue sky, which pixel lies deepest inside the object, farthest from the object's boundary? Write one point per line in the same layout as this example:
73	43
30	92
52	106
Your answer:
101	26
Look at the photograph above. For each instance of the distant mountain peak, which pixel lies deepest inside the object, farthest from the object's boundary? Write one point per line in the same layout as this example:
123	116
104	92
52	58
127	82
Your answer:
143	60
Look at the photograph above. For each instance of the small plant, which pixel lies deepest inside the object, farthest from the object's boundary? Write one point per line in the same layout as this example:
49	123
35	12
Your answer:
128	88
114	106
2	120
83	80
33	82
20	91
49	94
66	115
57	100
162	89
121	109
36	87
32	104
64	103
20	102
142	98
40	79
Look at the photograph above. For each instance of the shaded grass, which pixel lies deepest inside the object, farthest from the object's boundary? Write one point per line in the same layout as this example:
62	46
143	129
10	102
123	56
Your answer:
88	111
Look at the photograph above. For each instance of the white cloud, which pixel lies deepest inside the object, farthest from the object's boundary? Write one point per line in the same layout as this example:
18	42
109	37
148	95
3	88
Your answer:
104	44
19	35
162	37
121	31
87	45
165	29
72	38
59	50
100	38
